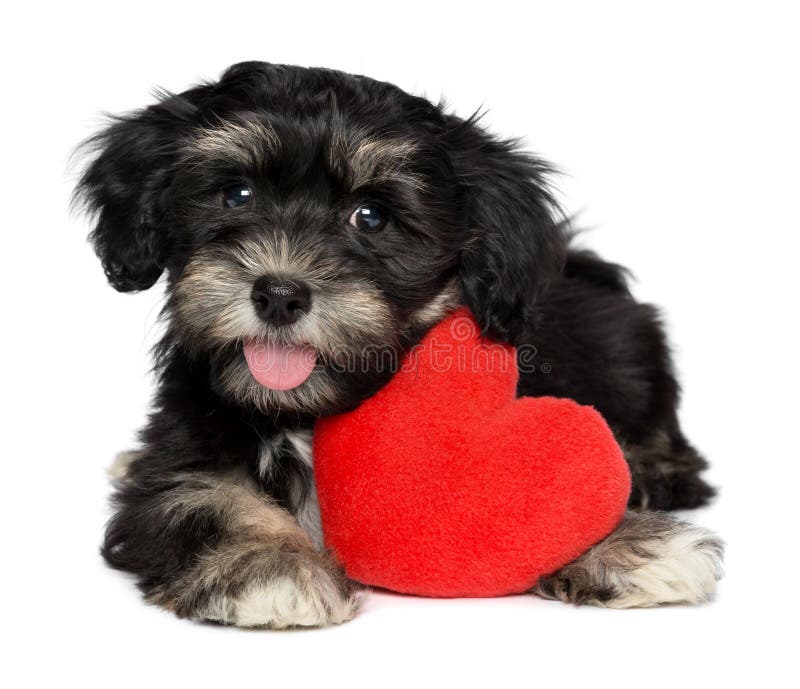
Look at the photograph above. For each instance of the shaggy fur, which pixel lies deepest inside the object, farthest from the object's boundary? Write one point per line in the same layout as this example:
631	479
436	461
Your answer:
651	559
205	509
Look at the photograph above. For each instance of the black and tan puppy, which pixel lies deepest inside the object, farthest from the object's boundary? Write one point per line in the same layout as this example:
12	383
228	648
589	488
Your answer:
315	215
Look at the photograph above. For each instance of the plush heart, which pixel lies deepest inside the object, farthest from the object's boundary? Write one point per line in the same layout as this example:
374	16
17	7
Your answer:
445	484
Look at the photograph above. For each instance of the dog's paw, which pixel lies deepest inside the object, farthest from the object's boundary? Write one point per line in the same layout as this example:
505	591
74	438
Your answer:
682	568
650	560
254	585
312	598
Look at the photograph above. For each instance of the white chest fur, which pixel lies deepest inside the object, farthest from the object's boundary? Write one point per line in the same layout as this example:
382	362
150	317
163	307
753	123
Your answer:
304	504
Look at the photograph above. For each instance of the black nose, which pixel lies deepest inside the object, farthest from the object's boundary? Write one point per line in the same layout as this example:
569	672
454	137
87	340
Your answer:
280	302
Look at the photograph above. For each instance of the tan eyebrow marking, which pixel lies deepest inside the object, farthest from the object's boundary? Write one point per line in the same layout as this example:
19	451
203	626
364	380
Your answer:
246	140
371	161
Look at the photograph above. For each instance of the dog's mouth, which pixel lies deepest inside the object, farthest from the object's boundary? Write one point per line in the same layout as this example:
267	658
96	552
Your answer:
279	366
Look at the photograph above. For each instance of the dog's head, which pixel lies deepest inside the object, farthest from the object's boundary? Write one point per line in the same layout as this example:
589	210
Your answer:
318	221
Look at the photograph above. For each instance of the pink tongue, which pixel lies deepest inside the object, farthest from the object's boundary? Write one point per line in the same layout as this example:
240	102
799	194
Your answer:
279	367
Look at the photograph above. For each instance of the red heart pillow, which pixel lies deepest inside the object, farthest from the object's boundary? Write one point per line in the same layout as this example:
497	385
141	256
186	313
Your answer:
444	484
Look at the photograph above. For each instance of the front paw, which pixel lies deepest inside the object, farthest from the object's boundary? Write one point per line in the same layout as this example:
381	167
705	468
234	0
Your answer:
267	588
312	598
651	559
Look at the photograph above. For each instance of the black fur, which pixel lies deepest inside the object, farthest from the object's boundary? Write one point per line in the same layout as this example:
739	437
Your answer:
469	213
515	244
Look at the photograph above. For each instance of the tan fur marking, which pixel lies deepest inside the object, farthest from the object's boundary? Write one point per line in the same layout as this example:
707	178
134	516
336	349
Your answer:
371	161
437	308
265	571
247	141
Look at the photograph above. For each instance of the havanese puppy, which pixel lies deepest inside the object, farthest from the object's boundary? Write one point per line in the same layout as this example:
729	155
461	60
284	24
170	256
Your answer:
315	215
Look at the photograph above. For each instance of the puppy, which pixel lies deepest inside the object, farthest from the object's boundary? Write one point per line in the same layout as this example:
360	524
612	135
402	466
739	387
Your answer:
315	215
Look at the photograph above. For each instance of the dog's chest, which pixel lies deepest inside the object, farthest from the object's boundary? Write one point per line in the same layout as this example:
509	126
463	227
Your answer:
302	493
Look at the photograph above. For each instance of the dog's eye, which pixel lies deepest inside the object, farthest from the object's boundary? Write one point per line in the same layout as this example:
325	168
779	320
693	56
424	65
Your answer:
236	195
369	218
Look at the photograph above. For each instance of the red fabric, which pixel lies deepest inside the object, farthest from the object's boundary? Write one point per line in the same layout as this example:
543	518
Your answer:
443	484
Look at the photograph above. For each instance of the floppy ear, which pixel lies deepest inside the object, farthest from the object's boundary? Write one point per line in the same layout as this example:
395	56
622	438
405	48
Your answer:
515	241
124	185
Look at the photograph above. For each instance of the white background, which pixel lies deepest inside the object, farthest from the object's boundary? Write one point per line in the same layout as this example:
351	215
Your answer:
677	131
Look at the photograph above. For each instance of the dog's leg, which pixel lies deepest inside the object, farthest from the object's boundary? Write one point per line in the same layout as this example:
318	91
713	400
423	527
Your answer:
596	344
214	547
650	559
666	470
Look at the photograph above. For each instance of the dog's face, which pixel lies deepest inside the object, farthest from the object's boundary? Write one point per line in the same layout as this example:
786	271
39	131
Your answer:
313	225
